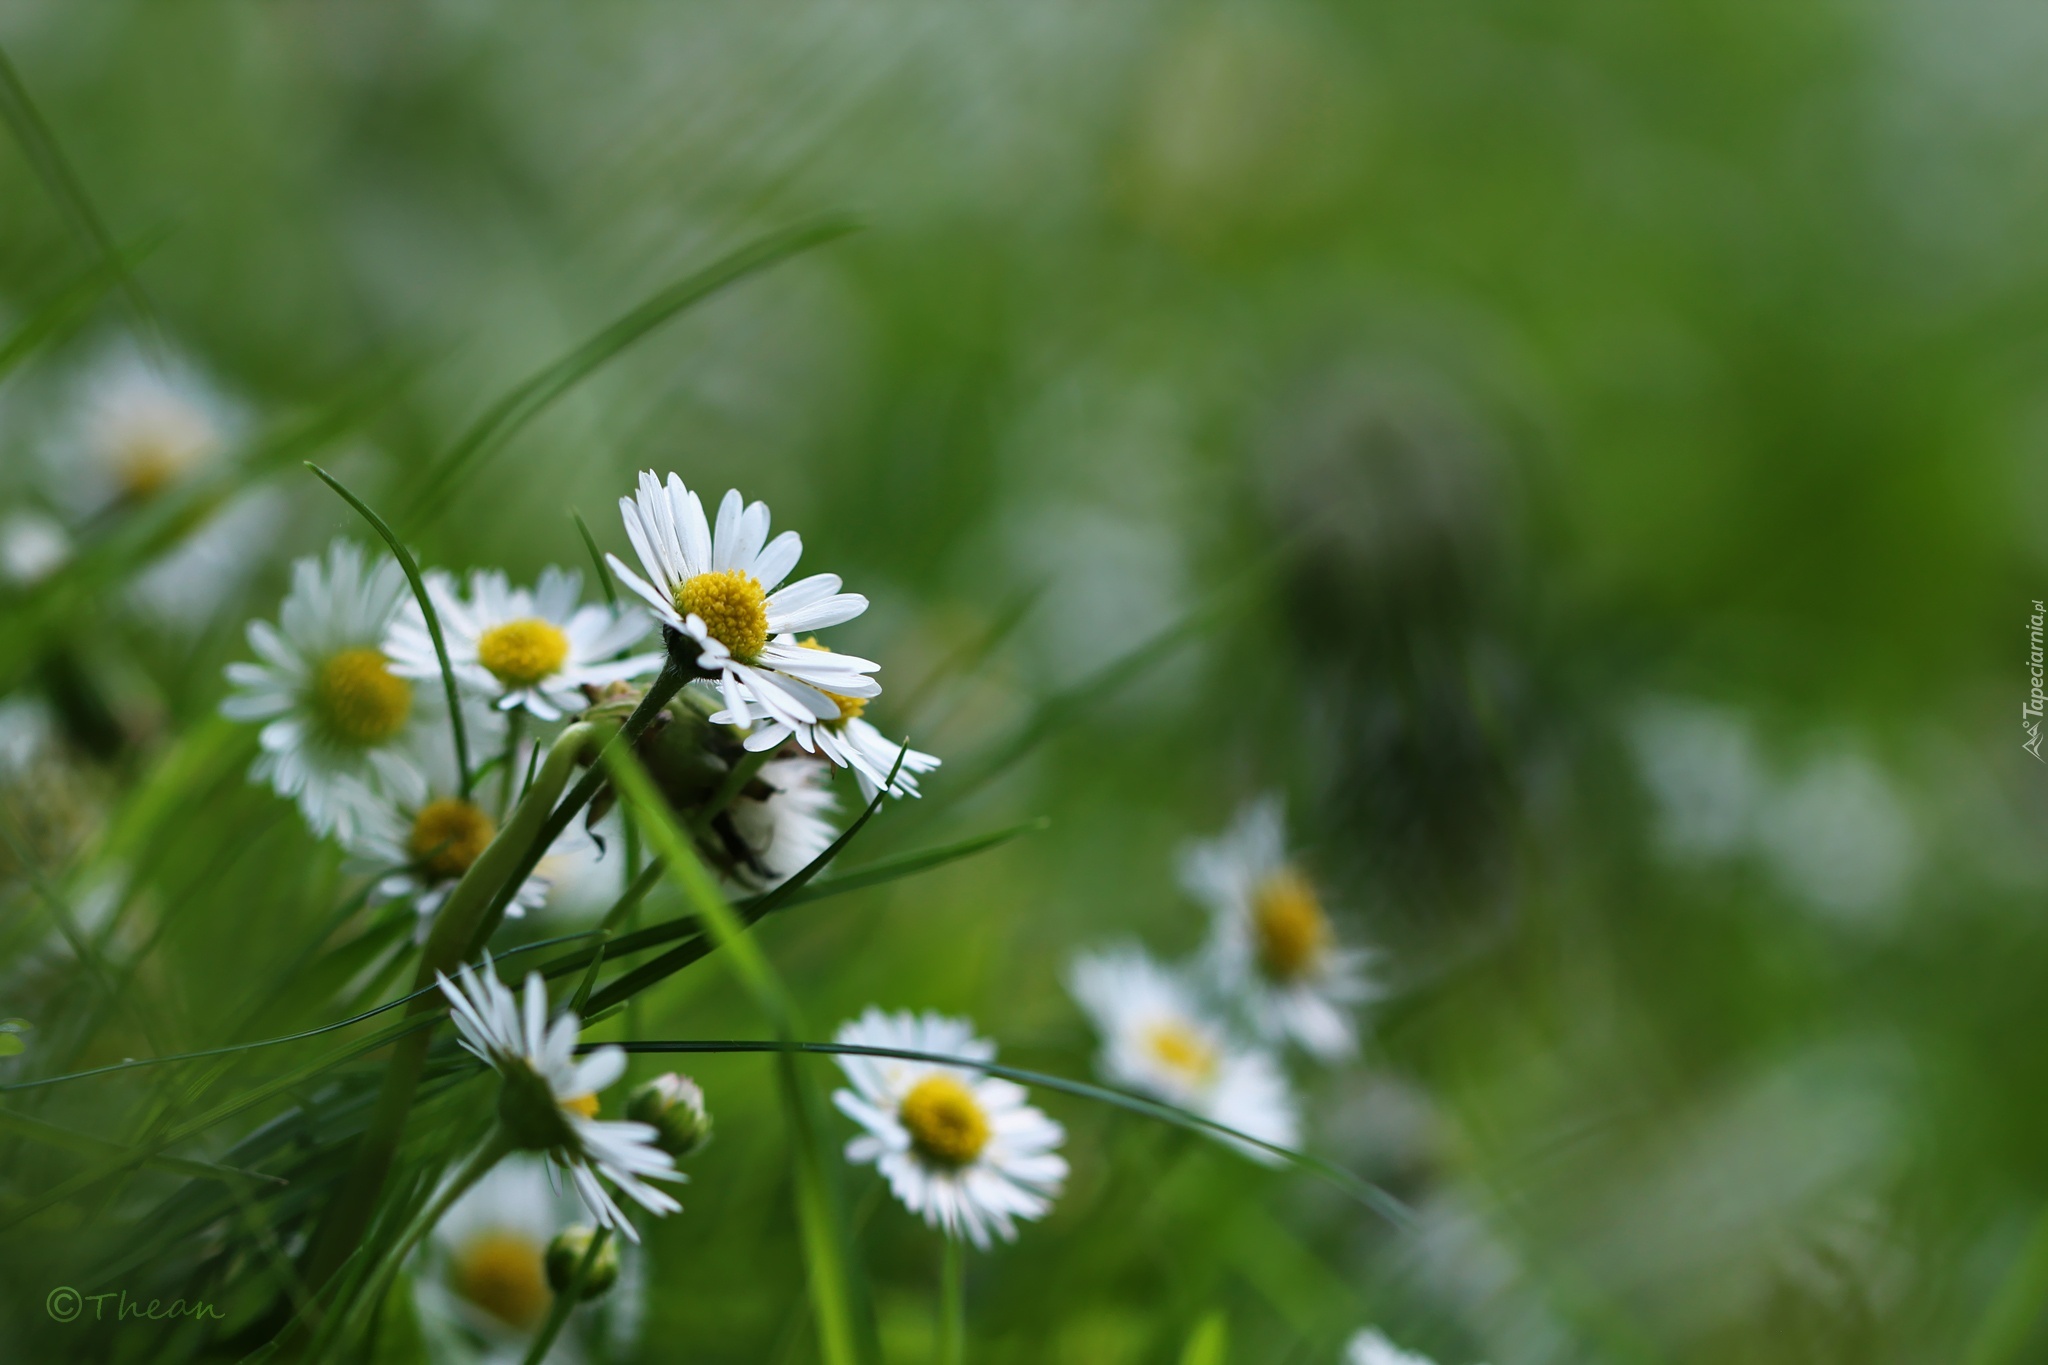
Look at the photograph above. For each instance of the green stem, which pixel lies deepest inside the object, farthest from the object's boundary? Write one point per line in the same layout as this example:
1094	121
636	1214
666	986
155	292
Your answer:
447	945
495	1149
505	777
953	1304
566	1301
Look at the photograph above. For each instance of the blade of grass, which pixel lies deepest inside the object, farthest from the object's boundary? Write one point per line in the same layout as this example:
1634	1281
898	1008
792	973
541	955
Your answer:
71	304
1366	1193
425	599
55	171
604	576
821	1214
533	395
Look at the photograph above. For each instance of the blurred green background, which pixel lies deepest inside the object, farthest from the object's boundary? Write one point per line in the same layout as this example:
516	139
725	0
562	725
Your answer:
1601	446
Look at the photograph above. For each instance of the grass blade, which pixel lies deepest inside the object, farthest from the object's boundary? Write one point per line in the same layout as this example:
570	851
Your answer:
821	1215
535	394
54	169
604	574
425	599
1366	1193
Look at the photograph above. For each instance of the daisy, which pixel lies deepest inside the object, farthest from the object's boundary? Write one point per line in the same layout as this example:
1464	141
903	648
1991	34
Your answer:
532	648
32	547
849	741
784	830
961	1149
433	841
1371	1347
722	589
342	728
1156	1039
1271	944
136	424
488	1255
549	1101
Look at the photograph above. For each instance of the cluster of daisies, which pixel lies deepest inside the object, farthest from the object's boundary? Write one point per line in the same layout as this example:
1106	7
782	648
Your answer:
357	728
1208	1035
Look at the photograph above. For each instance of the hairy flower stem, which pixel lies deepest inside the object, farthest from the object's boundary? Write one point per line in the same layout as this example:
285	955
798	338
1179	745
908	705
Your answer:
465	923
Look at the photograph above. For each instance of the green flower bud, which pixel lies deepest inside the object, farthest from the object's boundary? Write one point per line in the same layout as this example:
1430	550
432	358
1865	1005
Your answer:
567	1251
673	1106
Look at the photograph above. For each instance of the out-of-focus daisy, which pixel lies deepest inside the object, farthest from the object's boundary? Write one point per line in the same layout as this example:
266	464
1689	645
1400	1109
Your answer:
723	588
1156	1038
1371	1347
135	423
960	1149
784	828
1271	943
549	1100
524	647
27	730
342	727
850	741
433	841
32	547
488	1254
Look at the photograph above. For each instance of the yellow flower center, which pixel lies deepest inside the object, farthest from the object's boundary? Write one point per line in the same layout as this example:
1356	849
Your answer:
504	1274
944	1122
522	653
849	707
585	1105
1179	1048
147	465
733	607
1288	925
357	700
448	835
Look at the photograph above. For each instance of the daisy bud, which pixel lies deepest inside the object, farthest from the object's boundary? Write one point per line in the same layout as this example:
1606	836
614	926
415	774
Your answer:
566	1253
673	1106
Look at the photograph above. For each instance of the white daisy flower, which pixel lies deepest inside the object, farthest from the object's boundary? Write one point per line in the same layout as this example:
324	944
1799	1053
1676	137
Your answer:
1371	1347
342	728
550	1099
1157	1039
1271	944
849	741
433	841
784	830
32	547
487	1260
959	1148
137	423
723	590
532	648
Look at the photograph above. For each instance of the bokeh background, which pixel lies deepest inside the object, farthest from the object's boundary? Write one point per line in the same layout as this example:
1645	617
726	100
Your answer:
1589	457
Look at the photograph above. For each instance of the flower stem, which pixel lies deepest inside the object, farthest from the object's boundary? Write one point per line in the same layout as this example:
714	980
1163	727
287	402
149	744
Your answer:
465	923
566	1301
952	1304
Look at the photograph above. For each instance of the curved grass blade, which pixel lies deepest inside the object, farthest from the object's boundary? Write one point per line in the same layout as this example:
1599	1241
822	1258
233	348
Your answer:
58	177
1367	1193
425	599
533	395
73	302
836	1298
604	575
